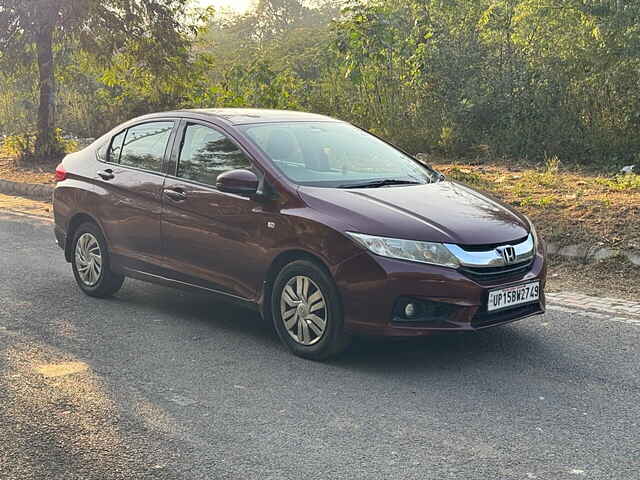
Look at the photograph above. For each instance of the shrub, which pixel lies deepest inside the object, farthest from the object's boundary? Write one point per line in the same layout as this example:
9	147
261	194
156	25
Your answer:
22	146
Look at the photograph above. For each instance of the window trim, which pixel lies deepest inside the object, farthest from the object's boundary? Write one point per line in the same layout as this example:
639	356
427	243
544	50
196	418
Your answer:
167	150
173	163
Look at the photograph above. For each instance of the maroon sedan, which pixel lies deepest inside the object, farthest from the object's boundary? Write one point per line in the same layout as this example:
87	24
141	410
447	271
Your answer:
324	228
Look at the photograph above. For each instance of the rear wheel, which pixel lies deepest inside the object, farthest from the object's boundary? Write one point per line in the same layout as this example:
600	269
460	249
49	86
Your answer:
307	312
90	263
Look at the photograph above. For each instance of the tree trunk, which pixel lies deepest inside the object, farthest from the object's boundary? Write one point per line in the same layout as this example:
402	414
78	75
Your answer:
46	147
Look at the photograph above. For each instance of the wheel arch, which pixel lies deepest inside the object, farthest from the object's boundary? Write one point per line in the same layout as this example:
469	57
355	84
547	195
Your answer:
282	259
75	221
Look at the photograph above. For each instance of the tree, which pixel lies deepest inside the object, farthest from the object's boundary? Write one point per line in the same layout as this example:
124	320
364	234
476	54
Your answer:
276	16
31	31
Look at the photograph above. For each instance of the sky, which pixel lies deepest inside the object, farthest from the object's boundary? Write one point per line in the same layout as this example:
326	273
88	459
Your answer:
239	6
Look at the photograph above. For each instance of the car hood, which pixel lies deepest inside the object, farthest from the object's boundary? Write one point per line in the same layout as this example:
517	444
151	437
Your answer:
447	212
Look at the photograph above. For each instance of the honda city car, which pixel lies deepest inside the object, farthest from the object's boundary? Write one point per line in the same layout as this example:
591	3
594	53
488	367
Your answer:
327	230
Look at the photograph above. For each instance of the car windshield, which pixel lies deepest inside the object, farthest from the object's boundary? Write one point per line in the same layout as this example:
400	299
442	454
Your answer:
335	154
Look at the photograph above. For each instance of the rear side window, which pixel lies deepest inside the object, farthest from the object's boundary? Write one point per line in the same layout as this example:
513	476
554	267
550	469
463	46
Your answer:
206	153
144	145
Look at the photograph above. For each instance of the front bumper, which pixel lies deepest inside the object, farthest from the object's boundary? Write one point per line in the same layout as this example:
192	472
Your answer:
370	285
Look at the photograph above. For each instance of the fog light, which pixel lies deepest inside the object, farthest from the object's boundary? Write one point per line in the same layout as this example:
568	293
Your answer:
411	310
415	310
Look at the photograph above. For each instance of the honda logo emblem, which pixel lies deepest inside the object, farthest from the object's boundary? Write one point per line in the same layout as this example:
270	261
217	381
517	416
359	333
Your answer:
508	253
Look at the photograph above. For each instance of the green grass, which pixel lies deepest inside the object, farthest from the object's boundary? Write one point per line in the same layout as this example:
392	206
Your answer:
468	177
622	183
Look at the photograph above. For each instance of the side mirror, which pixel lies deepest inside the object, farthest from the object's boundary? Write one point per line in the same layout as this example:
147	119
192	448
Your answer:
240	182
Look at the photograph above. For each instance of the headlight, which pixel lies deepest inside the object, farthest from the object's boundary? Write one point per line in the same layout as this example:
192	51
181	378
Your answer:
414	251
538	243
532	228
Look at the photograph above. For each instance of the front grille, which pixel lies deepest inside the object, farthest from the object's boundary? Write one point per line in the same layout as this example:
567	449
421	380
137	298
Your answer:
486	319
489	263
493	273
490	246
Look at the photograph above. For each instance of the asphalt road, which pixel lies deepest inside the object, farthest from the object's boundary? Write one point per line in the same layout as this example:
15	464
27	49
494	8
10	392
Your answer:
156	383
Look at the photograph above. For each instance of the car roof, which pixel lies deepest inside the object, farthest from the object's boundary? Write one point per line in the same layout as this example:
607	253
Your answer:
244	116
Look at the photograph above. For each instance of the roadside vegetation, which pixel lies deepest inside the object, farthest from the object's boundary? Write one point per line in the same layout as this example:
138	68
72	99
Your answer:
569	206
513	79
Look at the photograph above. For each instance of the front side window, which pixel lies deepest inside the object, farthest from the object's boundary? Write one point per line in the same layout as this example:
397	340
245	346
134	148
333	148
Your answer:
206	153
334	154
144	145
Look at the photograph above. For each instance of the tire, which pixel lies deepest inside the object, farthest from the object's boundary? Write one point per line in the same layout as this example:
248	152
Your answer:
90	263
308	319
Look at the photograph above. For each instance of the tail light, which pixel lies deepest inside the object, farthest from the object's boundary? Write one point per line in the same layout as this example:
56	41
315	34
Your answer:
61	173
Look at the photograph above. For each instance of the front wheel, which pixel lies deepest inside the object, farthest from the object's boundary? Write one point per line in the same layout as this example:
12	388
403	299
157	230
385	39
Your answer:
90	262
307	312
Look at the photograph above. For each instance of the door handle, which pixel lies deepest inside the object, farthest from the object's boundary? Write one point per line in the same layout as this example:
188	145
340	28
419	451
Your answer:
176	194
106	174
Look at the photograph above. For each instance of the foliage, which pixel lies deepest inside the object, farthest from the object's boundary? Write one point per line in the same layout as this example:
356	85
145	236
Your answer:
467	177
622	182
153	32
22	146
527	79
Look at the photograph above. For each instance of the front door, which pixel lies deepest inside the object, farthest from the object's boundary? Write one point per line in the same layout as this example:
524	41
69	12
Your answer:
130	183
210	238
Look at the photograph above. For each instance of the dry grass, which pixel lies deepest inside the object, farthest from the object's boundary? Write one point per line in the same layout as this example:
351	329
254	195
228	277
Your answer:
567	206
25	205
615	277
10	170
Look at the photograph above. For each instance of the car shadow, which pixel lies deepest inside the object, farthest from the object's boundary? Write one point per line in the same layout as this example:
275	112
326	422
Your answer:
441	350
499	347
202	310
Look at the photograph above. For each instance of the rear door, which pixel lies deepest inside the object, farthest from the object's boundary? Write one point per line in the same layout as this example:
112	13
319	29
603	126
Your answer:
210	238
131	181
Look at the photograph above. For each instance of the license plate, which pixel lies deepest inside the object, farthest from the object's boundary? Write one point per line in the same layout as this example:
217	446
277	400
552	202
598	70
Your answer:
512	296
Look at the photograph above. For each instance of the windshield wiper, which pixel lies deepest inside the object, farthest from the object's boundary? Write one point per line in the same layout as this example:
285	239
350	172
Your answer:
381	183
